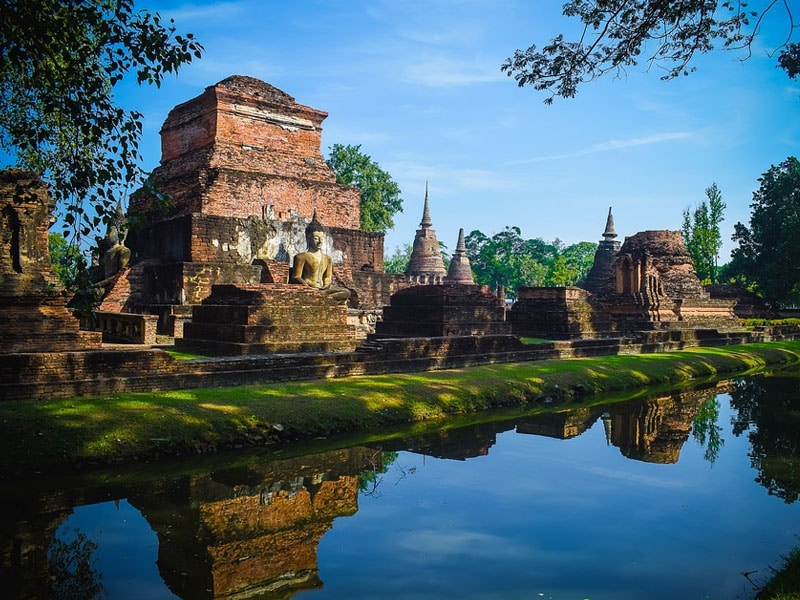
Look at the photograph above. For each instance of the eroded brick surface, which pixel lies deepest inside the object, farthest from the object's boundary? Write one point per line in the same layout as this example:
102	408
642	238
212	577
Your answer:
244	148
33	313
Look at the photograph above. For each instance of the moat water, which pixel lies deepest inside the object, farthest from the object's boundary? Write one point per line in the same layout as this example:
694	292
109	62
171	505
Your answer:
683	495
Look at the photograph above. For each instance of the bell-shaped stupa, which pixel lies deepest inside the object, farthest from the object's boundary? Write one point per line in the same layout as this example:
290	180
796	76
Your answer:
460	270
426	256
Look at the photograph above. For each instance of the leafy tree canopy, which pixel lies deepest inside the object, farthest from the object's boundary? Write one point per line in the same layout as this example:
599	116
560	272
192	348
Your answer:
397	262
617	34
702	236
380	195
507	259
578	260
59	64
66	259
768	255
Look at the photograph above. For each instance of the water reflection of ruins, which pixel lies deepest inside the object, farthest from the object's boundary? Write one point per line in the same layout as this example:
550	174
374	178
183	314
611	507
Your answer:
254	530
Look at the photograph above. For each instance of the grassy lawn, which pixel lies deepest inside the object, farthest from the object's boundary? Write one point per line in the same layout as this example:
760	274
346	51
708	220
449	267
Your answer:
44	435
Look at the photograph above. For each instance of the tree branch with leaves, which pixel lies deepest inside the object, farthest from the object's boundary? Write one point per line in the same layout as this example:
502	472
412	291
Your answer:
59	64
618	34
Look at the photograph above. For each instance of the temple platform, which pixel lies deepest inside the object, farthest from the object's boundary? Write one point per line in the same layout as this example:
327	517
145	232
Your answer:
265	318
443	310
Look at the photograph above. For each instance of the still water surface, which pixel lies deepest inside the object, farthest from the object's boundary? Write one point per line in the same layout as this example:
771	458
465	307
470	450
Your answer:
689	495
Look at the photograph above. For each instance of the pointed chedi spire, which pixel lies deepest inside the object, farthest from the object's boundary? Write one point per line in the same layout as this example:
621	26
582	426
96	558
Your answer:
600	278
461	245
426	213
460	269
609	234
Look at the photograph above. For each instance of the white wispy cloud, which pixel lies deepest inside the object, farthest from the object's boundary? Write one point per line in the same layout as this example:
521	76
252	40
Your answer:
609	146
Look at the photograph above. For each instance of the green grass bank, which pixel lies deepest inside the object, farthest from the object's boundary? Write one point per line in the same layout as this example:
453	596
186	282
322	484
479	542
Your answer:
38	437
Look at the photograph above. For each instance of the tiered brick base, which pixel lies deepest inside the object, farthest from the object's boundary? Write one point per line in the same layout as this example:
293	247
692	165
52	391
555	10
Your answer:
42	324
443	310
242	319
561	313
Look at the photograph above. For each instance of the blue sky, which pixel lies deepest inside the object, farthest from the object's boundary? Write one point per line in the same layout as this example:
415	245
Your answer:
418	85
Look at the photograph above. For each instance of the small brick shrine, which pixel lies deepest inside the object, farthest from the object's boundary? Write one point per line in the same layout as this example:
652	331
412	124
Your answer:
33	313
655	281
460	270
599	279
647	283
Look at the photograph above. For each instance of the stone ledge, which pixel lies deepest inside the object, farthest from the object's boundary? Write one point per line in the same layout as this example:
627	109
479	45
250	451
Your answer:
72	374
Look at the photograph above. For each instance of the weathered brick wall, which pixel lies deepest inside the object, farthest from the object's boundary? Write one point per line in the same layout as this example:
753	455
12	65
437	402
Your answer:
263	318
244	148
25	210
214	238
363	251
748	305
443	310
373	291
33	313
557	313
190	283
235	193
247	118
74	373
200	238
42	326
190	126
119	292
26	376
663	253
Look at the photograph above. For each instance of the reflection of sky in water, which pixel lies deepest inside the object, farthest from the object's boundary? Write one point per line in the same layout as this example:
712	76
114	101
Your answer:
564	518
127	551
536	518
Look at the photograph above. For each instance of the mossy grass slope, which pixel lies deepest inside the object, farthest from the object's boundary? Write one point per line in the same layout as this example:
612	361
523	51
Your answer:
45	435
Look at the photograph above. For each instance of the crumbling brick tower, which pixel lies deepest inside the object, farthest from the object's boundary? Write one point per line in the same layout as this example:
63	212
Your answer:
241	176
33	313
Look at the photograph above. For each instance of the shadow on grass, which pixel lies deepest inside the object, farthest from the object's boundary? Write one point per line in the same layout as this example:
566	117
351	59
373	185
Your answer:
42	435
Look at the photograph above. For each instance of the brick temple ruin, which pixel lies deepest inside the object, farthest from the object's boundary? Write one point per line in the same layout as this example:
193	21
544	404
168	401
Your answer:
243	172
217	228
33	303
646	284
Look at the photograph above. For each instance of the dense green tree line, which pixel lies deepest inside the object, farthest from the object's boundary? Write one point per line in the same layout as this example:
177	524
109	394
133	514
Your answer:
767	259
508	259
